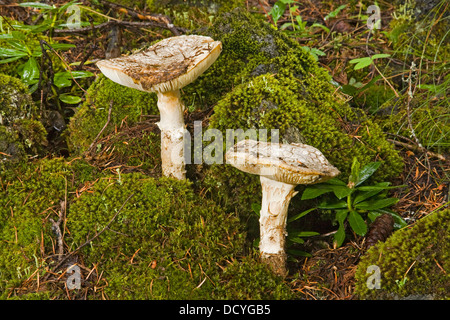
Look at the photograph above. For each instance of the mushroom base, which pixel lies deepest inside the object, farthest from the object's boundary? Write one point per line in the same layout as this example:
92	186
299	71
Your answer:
274	207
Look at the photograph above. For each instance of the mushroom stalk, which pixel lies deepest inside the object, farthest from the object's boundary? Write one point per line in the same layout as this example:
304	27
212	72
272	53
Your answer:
172	128
274	207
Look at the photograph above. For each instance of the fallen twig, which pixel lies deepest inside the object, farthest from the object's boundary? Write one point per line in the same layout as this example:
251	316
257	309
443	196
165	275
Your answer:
418	149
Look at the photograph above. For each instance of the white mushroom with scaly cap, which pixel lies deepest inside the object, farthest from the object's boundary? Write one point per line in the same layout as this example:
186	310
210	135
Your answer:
165	68
281	167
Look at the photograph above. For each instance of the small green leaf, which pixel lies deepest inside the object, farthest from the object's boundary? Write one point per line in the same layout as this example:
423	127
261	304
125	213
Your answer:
357	223
69	99
299	215
277	10
380	55
335	12
256	208
376	204
339	236
363	64
37	5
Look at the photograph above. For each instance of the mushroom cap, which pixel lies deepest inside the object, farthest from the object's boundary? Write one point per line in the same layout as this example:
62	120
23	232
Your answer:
168	65
288	163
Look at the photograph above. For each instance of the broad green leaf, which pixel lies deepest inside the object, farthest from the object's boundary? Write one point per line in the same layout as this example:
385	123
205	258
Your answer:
303	234
314	192
379	187
341	191
11	59
357	223
334	181
62	81
367	172
6	52
299	215
364	193
69	99
30	70
341	215
298	253
376	204
297	240
342	204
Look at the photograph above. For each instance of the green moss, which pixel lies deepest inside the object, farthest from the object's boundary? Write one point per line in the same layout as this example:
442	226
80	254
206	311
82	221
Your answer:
127	105
413	261
166	242
31	194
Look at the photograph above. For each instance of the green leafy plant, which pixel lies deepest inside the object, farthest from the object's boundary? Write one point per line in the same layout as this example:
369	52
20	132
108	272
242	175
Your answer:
367	61
355	201
299	27
28	43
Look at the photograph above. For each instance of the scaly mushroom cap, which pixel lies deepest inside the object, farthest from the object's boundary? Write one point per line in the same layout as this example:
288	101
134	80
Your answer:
288	163
168	65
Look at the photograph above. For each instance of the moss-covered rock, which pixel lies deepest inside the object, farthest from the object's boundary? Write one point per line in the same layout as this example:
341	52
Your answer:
414	261
126	105
21	132
265	80
15	102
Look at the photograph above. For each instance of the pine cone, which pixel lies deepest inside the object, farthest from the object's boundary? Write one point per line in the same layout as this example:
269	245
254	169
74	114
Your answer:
379	230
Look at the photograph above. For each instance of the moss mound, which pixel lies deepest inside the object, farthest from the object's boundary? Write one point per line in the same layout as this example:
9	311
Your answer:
127	105
165	242
267	81
31	195
413	262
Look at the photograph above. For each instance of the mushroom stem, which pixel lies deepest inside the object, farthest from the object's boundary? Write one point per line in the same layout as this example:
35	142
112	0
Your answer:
275	202
172	128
